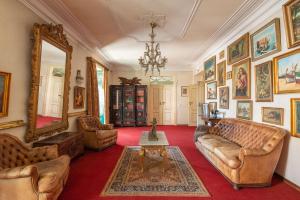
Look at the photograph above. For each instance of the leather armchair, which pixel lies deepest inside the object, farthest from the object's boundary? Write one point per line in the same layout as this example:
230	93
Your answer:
30	173
96	135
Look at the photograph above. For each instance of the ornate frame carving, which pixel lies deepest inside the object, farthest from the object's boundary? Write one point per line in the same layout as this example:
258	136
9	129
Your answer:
55	36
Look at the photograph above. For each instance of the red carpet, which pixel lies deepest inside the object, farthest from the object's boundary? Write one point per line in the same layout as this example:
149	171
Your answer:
90	172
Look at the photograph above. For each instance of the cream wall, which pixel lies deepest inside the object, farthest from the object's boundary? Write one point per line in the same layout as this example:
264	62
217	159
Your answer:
16	22
181	78
289	163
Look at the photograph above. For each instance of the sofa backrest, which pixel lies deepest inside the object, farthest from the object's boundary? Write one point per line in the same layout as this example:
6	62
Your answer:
248	134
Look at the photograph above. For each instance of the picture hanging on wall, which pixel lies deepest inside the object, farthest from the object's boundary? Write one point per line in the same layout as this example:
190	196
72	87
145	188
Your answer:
212	90
229	75
79	93
210	69
291	13
212	106
222	54
287	72
241	80
4	93
224	97
295	117
244	109
238	50
221	73
184	91
273	115
263	82
266	41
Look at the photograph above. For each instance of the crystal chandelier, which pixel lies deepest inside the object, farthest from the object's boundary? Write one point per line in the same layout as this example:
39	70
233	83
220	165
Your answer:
152	56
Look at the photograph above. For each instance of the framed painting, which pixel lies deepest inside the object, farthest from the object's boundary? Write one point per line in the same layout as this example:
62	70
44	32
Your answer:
212	90
221	73
238	50
287	72
263	82
4	93
229	75
212	106
224	97
244	109
222	54
266	41
79	94
291	13
241	83
273	115
184	91
210	69
295	117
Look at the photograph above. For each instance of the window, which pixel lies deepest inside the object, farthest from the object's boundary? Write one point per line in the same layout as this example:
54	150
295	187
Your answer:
101	92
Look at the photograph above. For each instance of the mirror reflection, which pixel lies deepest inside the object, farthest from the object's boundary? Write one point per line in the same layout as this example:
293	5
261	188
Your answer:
51	86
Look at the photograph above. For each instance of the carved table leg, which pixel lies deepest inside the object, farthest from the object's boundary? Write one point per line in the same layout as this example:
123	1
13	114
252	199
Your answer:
142	158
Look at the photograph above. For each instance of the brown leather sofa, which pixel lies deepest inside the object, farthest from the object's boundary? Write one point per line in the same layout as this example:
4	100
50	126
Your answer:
96	135
30	173
245	152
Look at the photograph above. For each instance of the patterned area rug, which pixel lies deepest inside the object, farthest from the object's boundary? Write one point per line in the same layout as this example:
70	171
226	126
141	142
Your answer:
177	178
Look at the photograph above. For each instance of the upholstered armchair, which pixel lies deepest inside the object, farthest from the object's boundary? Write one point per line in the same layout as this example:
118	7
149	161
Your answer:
30	173
96	135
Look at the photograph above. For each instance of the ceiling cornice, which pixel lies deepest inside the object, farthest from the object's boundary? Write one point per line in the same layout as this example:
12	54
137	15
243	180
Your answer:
72	26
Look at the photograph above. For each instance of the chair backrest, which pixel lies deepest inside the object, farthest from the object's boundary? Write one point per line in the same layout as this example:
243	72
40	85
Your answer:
89	122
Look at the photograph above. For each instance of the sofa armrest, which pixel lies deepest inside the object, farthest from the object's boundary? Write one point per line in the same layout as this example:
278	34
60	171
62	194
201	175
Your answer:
106	127
44	153
251	152
19	172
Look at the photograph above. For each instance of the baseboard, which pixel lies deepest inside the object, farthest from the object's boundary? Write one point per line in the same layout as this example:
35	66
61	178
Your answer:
290	183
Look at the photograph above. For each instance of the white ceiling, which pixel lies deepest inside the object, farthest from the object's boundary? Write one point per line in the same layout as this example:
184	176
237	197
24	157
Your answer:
118	28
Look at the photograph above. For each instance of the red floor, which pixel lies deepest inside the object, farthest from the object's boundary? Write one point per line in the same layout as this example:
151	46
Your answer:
90	172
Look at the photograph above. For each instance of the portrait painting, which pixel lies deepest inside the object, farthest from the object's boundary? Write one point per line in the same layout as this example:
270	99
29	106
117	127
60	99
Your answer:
266	41
287	72
241	87
291	13
238	50
221	54
212	90
212	106
244	109
184	91
295	117
210	69
221	73
273	115
224	97
229	75
263	82
4	93
79	94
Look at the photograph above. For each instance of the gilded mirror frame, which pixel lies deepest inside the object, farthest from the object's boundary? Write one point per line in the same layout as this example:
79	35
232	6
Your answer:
54	35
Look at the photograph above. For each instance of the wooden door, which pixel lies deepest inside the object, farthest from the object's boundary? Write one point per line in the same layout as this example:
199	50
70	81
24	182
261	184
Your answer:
168	105
56	97
192	103
156	100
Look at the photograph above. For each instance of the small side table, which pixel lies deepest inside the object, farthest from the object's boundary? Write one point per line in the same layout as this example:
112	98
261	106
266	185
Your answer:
70	143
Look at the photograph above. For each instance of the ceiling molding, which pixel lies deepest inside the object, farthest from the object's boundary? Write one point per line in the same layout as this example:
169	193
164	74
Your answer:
72	26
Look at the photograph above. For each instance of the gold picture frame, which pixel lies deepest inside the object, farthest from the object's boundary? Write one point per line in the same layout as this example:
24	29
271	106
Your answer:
211	90
241	80
263	77
210	69
291	10
184	91
222	54
221	73
286	78
295	117
79	97
5	79
224	97
245	112
266	41
273	115
238	50
229	75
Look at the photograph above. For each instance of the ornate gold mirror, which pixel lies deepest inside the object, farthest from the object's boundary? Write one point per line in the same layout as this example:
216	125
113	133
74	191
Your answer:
49	97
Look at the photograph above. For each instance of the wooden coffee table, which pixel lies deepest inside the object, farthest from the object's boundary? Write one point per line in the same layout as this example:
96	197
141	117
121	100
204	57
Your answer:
150	146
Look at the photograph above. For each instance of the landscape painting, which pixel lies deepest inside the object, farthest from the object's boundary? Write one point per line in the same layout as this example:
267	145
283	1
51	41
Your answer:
266	41
241	87
238	50
273	115
287	72
210	69
295	117
4	93
291	12
263	82
212	90
244	110
224	97
221	73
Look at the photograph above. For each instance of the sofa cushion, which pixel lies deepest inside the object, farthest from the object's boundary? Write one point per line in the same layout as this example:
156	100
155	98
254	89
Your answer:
210	141
101	134
229	154
52	172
